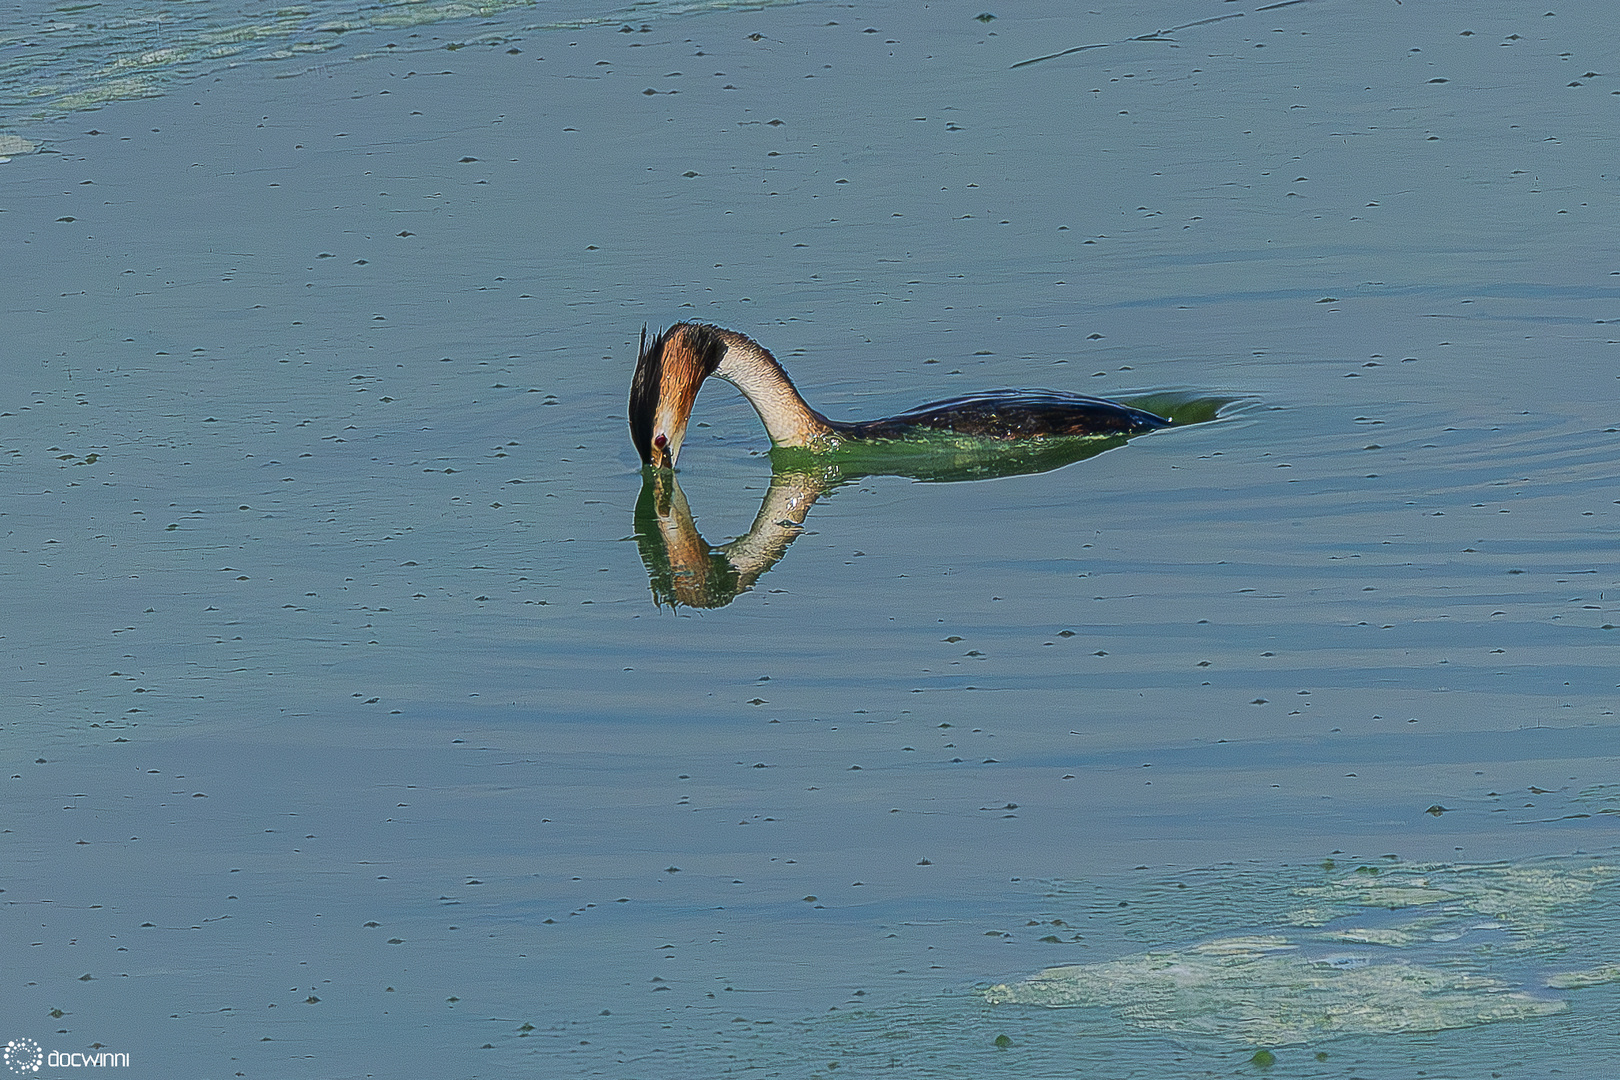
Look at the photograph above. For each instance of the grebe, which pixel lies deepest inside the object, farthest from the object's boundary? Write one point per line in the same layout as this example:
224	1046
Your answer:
673	366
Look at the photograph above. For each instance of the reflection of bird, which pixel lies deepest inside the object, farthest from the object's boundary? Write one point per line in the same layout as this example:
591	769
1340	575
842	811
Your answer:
685	571
673	366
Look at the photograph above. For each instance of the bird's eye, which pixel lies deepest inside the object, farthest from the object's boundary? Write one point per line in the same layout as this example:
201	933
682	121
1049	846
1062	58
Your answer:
661	441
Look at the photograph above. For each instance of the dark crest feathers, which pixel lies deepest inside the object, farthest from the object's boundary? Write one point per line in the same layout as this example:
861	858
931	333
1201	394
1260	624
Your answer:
644	394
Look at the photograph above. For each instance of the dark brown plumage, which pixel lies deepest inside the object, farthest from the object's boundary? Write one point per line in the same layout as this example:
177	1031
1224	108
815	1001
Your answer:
1012	414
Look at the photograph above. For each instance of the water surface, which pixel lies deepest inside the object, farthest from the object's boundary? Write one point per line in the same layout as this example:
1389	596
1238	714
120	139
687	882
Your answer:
346	732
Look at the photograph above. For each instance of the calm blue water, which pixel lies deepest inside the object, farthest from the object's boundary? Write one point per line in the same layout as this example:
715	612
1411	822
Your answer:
346	732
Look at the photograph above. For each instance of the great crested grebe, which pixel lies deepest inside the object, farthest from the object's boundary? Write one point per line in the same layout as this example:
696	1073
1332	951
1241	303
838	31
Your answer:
674	364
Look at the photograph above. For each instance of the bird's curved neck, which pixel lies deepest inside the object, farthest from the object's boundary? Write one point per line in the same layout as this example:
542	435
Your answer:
788	418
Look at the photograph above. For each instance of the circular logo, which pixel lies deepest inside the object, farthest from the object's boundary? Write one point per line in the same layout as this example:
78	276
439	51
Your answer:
24	1056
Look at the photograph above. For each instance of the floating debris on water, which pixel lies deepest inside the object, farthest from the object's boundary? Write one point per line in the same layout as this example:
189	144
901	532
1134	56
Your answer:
1573	980
1445	946
1275	994
14	146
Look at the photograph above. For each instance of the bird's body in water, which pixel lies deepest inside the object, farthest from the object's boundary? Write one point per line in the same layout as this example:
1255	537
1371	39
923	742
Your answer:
674	364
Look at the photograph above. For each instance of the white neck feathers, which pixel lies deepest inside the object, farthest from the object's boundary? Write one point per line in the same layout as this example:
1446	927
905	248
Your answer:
788	419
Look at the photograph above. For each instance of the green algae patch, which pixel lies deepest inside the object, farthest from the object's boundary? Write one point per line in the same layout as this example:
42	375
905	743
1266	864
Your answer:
1413	948
1274	994
1575	980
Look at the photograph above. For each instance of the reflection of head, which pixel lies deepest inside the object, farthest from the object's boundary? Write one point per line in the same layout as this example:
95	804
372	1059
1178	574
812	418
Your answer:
684	571
669	373
681	568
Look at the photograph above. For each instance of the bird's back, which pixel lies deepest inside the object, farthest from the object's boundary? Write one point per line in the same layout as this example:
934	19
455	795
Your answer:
1013	414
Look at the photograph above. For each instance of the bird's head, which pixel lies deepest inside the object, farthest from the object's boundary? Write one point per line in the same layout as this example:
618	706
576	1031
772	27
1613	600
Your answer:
669	373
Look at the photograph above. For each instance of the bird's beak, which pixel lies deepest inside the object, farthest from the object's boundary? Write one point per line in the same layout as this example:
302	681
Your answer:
669	429
658	423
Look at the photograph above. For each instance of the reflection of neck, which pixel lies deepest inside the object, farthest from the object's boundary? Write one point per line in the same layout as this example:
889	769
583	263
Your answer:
788	419
778	524
685	571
